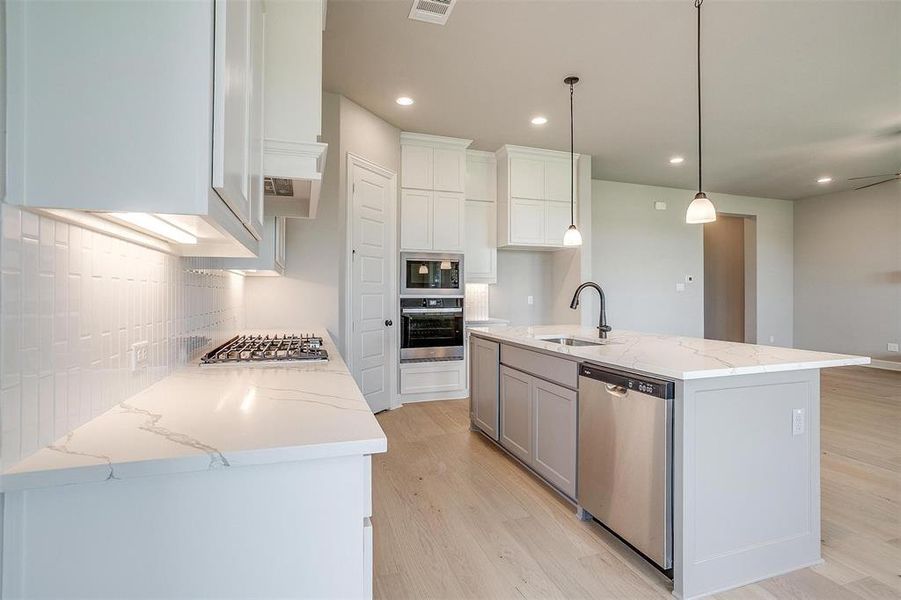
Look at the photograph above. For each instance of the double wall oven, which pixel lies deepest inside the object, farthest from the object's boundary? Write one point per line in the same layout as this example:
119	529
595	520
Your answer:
431	307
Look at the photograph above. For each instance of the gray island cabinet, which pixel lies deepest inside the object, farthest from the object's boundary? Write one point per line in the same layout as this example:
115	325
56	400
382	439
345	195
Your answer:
745	438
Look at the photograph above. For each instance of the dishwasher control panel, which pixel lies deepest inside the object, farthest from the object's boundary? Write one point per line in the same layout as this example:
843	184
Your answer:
659	388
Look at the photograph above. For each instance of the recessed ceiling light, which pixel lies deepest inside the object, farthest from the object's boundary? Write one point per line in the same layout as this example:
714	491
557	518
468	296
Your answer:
404	101
676	160
824	179
539	120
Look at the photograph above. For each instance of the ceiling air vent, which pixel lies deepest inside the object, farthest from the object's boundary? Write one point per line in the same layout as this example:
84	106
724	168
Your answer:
432	11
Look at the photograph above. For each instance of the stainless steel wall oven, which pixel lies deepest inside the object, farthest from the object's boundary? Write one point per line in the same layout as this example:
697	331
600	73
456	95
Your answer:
431	329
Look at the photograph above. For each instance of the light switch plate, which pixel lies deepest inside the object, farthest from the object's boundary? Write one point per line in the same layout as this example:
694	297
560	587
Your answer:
660	205
799	421
892	347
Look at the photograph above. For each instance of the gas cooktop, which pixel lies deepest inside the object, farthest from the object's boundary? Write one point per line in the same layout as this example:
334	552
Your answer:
260	349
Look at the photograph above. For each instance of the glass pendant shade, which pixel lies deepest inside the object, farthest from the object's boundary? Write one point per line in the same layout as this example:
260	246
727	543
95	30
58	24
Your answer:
572	237
701	210
423	270
445	265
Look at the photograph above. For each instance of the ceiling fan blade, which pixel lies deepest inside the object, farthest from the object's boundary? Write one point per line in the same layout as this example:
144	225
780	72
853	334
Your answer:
877	183
873	176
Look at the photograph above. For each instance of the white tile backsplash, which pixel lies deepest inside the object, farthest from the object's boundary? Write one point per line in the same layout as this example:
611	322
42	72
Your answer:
72	302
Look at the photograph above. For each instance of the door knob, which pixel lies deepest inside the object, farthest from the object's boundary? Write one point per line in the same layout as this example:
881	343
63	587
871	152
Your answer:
389	323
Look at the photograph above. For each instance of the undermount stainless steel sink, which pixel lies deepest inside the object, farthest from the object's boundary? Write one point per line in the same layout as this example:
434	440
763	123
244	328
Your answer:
570	341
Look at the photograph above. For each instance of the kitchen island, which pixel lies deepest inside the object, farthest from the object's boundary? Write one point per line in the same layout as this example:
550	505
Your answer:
218	481
741	433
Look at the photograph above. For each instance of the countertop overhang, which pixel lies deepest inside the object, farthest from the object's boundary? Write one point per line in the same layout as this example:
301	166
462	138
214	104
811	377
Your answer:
214	417
674	357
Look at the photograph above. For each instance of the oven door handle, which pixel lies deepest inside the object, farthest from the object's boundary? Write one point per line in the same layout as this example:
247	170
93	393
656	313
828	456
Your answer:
430	311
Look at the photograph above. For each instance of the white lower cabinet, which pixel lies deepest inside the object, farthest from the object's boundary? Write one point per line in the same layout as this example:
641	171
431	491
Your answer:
432	376
538	421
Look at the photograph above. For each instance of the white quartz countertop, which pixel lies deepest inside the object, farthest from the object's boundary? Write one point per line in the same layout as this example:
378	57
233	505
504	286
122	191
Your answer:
214	417
670	356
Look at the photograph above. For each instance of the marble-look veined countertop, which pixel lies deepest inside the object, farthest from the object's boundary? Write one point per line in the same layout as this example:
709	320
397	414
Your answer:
214	417
670	356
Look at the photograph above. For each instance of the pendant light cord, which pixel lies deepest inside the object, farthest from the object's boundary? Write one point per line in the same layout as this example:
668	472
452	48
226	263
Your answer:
698	4
572	154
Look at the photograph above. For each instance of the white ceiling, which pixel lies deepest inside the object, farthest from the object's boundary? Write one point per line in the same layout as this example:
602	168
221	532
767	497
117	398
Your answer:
792	90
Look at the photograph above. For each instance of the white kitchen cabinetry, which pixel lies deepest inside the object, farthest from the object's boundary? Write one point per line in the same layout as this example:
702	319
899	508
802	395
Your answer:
484	356
430	377
271	259
433	174
481	217
533	209
96	125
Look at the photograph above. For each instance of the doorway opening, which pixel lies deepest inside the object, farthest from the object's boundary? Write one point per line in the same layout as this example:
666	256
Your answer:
730	279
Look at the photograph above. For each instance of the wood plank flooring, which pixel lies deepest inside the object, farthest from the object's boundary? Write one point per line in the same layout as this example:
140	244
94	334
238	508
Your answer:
454	517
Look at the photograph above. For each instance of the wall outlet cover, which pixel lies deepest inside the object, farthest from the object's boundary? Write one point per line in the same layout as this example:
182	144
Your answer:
680	287
799	424
139	355
892	347
530	300
660	205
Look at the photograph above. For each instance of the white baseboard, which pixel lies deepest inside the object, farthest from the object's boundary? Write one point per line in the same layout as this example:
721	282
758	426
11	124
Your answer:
889	365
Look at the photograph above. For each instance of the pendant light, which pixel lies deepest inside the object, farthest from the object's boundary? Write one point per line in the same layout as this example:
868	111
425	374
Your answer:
701	209
572	237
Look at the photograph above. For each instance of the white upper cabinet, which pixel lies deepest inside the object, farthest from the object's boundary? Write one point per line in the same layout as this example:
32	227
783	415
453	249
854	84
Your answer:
271	259
110	111
533	197
294	157
433	177
481	217
418	166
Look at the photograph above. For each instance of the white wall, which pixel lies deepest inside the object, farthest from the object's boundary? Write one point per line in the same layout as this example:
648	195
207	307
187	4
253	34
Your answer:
848	271
73	302
639	254
520	274
311	290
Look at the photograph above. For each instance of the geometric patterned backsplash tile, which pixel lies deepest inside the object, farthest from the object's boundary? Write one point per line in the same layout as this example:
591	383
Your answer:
72	303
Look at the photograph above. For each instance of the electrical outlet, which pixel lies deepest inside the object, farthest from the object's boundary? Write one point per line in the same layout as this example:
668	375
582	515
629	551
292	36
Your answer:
530	300
660	205
680	287
139	352
772	339
892	347
799	419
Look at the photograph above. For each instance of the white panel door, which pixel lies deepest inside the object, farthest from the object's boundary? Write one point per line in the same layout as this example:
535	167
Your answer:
371	285
417	165
449	169
557	220
231	103
416	220
447	222
527	219
556	180
527	178
481	242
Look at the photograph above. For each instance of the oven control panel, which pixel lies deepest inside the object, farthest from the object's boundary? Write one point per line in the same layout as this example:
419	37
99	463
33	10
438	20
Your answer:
431	302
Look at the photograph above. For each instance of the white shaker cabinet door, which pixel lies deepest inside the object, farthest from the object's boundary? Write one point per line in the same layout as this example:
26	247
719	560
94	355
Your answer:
231	125
527	222
417	166
255	113
449	169
481	242
558	220
416	220
527	178
481	180
557	178
447	222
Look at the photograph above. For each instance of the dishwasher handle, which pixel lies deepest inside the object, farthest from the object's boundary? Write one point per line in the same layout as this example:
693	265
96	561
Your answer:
619	383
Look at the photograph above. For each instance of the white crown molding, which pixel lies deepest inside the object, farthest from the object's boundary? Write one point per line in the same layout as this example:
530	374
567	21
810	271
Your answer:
287	159
508	149
481	156
425	139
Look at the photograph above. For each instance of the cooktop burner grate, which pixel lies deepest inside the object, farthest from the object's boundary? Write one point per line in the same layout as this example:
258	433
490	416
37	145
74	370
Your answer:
267	349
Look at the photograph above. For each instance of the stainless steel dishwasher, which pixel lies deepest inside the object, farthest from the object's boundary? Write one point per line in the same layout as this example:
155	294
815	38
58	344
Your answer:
625	457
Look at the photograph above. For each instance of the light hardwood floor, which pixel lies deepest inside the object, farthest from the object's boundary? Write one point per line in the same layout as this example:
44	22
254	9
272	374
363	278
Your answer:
456	518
